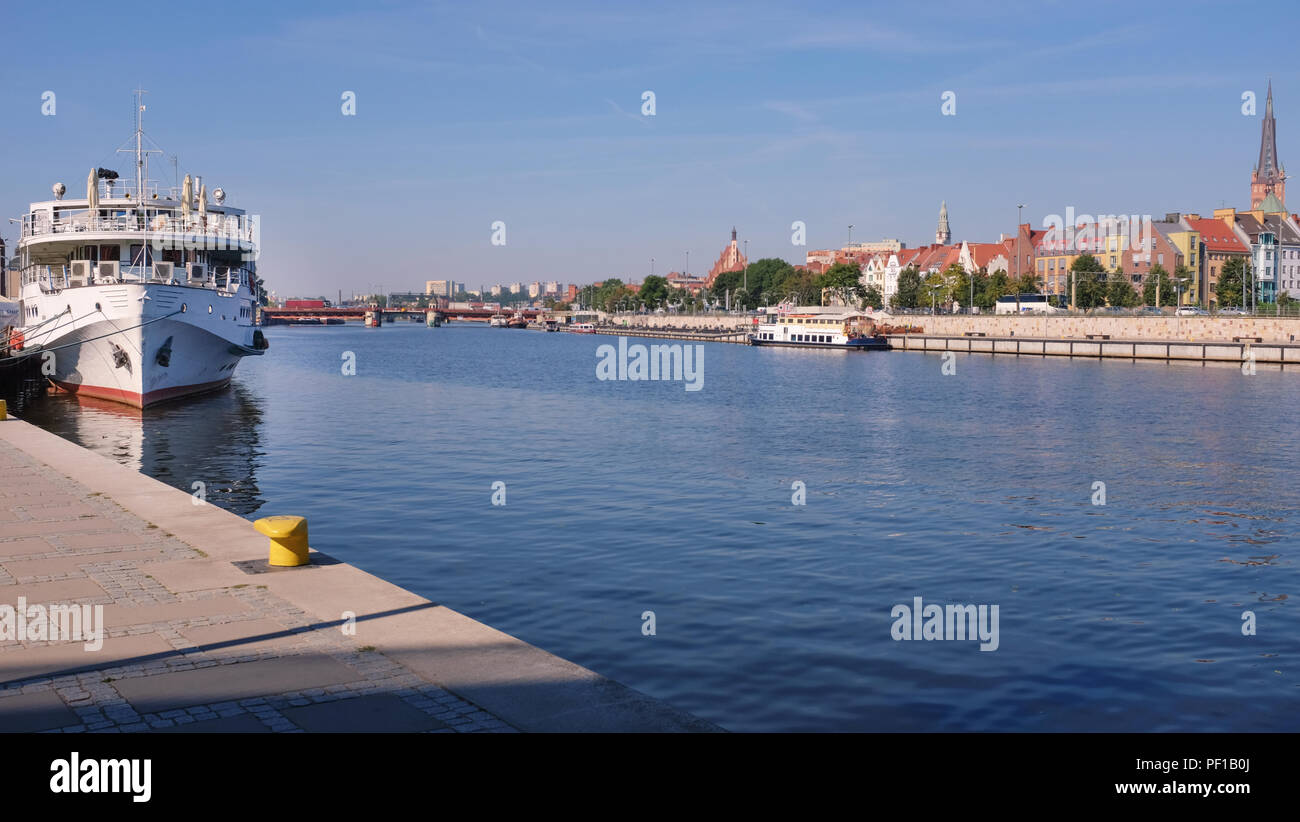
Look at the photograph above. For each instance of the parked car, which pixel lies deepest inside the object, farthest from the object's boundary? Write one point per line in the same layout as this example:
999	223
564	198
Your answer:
1152	309
1191	311
1232	312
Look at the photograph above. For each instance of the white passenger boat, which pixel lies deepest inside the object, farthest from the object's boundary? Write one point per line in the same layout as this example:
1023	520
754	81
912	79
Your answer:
139	295
817	330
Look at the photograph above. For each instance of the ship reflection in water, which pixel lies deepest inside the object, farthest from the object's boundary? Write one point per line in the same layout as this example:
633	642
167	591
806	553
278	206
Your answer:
212	438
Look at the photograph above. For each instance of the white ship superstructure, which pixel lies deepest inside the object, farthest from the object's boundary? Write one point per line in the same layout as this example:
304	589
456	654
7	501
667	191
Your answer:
139	294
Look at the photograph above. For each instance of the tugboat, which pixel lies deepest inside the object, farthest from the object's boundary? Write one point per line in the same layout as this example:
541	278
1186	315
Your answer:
517	321
143	294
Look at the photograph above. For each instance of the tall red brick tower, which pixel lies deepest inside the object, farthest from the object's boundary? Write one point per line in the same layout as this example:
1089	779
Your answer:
729	260
1268	176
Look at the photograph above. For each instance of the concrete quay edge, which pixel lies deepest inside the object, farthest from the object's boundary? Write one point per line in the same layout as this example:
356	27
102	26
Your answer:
525	686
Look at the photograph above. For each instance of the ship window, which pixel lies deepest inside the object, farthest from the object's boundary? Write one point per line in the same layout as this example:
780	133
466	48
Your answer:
184	308
209	309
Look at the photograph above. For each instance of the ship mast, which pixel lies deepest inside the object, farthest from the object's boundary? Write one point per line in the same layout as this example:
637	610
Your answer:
141	156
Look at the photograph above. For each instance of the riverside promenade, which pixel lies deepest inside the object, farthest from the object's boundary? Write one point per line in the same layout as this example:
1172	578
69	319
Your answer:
200	635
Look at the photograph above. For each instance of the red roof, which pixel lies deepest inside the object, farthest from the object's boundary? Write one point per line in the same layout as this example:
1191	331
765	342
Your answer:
1217	236
983	253
907	256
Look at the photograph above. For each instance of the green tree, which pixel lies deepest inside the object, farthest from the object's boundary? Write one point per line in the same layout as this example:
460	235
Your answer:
1231	286
1158	279
982	283
999	285
1087	282
933	290
909	289
653	289
871	296
1027	284
843	281
1119	291
764	276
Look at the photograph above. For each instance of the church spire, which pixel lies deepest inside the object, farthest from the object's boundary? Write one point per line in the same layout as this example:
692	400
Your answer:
943	235
1268	177
1268	167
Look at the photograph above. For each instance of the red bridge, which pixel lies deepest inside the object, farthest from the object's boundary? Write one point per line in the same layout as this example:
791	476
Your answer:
282	315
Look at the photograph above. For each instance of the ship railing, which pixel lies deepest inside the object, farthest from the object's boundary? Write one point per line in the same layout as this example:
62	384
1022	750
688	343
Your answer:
58	277
211	226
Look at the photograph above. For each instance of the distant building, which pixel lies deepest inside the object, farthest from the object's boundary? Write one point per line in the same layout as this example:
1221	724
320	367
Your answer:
534	290
987	257
1219	243
877	247
442	288
402	298
693	285
1274	242
571	293
729	260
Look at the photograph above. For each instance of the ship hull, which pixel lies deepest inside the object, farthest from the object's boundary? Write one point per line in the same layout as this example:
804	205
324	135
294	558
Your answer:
136	351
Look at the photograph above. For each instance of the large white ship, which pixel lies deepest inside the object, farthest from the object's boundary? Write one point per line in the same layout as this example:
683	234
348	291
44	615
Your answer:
140	295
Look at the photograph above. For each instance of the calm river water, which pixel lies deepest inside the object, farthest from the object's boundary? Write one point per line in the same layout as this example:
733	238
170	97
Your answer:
626	497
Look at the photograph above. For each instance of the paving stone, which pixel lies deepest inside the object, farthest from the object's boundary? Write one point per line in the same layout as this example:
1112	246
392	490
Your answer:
49	659
64	590
34	712
111	539
72	563
117	615
80	525
232	682
376	713
242	724
21	547
242	636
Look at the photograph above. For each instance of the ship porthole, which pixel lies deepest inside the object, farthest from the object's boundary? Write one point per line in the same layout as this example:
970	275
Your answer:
184	308
209	309
97	307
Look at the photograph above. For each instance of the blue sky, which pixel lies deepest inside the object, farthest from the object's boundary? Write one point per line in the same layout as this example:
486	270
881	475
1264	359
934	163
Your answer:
530	113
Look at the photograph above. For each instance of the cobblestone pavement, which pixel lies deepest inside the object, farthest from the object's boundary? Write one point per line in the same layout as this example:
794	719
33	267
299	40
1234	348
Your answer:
229	658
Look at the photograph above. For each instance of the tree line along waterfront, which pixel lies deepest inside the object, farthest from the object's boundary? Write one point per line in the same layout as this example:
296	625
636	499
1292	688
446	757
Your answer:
772	281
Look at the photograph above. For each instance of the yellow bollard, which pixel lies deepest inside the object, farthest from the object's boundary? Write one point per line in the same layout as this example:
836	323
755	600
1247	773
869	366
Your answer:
4	410
288	539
